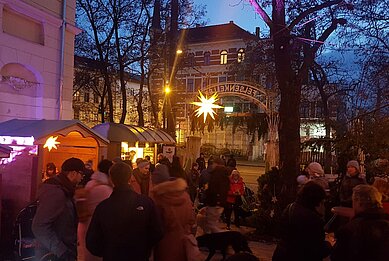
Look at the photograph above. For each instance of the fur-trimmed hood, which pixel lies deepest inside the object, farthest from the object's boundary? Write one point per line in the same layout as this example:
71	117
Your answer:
171	192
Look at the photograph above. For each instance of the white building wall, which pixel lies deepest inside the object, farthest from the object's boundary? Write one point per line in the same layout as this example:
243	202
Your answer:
41	62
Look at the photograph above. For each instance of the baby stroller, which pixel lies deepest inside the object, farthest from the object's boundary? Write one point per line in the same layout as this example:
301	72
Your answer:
24	247
249	203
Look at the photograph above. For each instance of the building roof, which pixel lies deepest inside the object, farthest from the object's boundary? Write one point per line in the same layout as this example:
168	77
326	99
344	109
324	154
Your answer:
42	128
129	133
214	33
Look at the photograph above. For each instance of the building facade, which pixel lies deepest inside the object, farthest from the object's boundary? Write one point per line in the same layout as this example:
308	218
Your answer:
204	59
36	59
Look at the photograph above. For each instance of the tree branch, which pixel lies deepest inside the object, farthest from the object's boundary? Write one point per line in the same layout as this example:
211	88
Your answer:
310	56
310	11
265	17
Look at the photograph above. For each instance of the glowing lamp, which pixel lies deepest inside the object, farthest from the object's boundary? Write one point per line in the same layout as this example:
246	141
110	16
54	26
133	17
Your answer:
179	51
206	105
167	90
51	143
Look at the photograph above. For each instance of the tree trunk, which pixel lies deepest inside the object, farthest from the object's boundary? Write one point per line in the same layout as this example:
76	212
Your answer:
289	128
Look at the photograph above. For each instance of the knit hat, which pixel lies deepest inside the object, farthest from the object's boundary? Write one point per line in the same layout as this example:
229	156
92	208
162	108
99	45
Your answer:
160	174
353	163
315	167
73	164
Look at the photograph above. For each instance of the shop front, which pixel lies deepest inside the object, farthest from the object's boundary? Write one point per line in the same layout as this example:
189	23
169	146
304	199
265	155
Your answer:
131	142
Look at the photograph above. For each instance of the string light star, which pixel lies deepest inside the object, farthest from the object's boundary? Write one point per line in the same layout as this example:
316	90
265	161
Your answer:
51	143
206	105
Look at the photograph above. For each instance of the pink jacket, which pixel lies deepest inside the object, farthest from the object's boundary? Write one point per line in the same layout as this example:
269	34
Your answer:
178	217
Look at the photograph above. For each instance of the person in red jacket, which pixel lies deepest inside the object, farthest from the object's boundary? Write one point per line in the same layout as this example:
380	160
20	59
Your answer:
234	198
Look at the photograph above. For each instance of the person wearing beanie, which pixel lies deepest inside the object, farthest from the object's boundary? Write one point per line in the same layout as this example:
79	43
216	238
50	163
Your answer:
316	174
350	180
55	222
160	174
173	202
140	180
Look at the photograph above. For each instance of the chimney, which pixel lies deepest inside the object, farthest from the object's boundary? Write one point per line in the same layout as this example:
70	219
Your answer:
257	31
231	22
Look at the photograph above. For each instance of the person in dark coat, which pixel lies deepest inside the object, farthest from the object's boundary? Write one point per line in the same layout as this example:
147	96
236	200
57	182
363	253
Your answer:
126	226
350	180
193	178
231	162
216	196
302	232
55	222
366	236
201	161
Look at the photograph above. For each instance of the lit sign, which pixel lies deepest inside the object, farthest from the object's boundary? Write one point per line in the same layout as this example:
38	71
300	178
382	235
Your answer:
228	109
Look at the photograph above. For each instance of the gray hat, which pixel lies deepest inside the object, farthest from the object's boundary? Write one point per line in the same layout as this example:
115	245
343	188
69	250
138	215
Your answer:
316	168
353	163
160	174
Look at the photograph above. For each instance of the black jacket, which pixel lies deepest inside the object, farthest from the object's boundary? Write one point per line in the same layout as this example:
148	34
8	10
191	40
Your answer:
302	236
55	222
346	189
218	186
364	238
124	227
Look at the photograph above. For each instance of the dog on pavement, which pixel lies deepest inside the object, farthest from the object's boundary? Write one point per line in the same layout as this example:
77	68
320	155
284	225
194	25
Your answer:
221	241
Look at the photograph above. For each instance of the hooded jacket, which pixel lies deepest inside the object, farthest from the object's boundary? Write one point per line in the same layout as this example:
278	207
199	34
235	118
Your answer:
55	222
178	217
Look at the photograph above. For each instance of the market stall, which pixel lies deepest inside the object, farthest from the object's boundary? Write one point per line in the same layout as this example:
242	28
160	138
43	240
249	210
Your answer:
131	142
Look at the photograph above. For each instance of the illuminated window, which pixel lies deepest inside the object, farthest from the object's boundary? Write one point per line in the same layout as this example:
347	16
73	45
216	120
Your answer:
240	55
76	96
223	57
207	58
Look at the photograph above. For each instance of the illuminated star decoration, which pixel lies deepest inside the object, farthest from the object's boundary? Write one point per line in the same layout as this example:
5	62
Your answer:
206	105
51	143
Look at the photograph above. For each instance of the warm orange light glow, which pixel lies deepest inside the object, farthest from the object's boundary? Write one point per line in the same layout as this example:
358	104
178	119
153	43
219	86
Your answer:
206	105
51	143
167	90
179	51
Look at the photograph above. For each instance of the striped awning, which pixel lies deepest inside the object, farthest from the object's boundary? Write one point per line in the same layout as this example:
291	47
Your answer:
129	133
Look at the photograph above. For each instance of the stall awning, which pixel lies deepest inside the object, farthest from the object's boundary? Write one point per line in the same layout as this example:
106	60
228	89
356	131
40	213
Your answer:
40	129
4	151
120	132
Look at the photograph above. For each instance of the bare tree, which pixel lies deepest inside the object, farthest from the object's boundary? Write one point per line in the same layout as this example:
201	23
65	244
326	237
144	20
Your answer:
285	25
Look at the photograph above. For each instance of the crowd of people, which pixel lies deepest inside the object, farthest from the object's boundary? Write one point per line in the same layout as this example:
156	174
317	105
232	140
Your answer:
141	211
134	210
